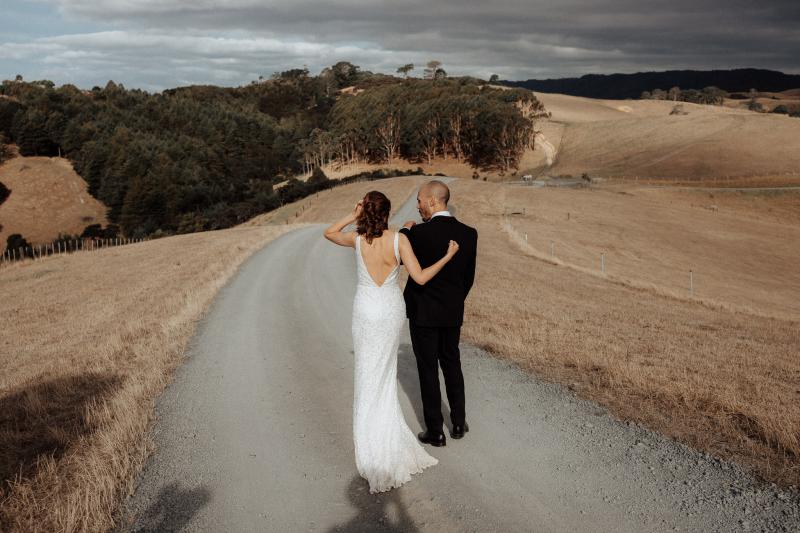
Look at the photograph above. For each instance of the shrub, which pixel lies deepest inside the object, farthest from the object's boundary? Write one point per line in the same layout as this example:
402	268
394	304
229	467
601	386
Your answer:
781	109
96	231
17	242
677	109
5	152
4	192
317	176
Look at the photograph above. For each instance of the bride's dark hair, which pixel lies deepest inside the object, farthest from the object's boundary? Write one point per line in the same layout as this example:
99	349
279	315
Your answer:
374	217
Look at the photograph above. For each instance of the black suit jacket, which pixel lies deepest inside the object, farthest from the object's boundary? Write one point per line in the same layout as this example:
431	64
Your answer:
440	302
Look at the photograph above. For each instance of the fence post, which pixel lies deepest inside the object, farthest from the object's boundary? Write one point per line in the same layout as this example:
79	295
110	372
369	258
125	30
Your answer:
603	263
691	283
552	249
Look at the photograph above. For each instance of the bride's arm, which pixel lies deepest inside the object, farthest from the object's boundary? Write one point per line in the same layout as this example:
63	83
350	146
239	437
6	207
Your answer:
334	231
418	274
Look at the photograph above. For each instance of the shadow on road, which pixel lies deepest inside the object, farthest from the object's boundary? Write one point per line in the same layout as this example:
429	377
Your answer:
173	509
376	512
409	379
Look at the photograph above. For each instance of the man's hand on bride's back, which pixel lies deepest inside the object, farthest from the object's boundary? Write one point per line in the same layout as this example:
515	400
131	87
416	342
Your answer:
452	248
409	224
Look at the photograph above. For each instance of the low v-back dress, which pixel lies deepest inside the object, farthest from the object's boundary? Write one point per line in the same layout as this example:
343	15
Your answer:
386	450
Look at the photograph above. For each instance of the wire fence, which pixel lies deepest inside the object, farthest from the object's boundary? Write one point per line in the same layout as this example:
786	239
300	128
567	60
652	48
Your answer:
61	247
552	255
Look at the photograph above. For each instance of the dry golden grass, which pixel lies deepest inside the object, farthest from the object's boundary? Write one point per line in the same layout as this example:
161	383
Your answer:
755	181
47	197
779	205
613	138
89	340
655	236
723	381
769	100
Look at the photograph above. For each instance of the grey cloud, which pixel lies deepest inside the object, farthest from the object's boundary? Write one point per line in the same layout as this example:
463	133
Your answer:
234	40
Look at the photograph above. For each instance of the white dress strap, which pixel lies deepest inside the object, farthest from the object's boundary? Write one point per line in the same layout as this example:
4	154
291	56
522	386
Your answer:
397	246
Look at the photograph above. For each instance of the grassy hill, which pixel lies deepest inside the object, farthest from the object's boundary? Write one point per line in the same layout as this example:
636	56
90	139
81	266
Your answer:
47	198
641	138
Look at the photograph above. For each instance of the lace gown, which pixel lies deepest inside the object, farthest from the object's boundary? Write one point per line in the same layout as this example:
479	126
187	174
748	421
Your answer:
387	452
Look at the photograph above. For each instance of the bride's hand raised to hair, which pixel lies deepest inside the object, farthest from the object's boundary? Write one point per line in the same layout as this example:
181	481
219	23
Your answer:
357	210
452	248
335	232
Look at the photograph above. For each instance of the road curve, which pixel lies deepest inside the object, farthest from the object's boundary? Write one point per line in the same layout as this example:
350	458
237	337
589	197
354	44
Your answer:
255	433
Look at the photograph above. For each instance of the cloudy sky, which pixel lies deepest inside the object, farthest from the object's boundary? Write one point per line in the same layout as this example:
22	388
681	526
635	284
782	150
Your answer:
156	44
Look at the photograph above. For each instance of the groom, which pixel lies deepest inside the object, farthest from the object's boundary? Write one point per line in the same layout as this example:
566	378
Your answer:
435	310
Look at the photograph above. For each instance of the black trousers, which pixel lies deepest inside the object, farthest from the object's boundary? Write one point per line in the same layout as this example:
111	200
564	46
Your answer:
434	346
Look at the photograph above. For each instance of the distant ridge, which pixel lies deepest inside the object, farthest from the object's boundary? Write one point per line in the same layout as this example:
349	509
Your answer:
618	86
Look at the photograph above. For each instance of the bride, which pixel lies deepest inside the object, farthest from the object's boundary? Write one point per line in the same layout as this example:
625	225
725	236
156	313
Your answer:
386	450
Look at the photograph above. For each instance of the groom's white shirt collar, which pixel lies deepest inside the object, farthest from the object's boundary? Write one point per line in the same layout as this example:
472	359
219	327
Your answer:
444	213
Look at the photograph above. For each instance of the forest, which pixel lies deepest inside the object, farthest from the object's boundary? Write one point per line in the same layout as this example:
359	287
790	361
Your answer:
205	157
621	86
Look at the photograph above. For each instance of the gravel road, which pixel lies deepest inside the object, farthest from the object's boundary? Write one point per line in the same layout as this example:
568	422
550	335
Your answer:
255	433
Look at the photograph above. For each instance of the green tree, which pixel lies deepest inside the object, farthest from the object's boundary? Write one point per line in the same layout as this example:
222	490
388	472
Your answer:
432	67
674	93
405	69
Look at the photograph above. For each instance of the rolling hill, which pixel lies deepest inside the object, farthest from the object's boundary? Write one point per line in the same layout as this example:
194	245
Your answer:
641	138
47	198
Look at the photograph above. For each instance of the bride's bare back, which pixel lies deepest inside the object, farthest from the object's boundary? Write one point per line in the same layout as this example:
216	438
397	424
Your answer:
379	256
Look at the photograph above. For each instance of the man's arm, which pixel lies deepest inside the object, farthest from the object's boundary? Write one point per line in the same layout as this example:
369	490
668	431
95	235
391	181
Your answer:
469	273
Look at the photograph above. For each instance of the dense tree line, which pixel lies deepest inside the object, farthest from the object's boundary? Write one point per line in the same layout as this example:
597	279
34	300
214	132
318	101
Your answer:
708	95
420	120
203	157
620	86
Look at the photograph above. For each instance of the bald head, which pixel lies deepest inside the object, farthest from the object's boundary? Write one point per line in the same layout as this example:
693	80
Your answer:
432	197
439	191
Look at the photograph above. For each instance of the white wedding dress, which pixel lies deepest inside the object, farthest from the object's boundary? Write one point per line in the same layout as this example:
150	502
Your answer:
387	452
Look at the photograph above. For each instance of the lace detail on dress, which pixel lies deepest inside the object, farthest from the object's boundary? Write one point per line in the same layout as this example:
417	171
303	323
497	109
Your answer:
386	450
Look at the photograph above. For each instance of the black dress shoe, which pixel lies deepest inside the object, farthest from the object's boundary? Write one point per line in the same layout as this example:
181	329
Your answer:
434	439
459	430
